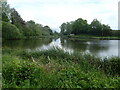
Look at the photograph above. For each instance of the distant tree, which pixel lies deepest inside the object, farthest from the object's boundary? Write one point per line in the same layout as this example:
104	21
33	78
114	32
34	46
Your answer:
31	22
38	29
69	28
96	27
63	28
34	28
80	26
47	30
106	30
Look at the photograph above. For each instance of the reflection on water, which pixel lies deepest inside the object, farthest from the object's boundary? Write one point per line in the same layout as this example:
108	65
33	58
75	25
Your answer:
54	43
27	44
102	48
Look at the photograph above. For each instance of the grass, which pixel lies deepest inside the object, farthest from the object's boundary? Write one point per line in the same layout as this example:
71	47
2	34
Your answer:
58	69
95	37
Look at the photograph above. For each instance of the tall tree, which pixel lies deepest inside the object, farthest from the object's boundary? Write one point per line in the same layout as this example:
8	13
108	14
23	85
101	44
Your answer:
69	28
106	30
96	27
5	11
19	22
63	28
80	26
16	18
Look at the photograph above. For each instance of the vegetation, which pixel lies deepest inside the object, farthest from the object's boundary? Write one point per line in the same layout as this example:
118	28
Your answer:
86	36
30	28
81	27
43	69
15	23
10	31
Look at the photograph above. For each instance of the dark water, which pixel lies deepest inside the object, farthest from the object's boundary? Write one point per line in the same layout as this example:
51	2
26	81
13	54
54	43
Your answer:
101	48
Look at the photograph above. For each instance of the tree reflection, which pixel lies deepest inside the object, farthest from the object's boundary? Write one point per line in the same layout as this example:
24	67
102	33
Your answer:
27	44
94	46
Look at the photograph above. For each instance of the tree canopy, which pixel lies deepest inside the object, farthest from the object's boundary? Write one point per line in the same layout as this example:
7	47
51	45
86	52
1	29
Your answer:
12	21
80	26
10	31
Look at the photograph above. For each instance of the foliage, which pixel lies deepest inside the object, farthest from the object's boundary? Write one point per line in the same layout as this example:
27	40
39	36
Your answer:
48	30
5	11
35	29
4	17
27	29
10	31
56	34
43	69
98	29
66	28
80	26
24	74
19	23
115	33
38	29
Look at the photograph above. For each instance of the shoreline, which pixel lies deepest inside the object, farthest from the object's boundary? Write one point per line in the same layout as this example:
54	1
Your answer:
93	37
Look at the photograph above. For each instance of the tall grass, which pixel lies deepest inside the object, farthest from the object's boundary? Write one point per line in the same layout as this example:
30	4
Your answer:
58	69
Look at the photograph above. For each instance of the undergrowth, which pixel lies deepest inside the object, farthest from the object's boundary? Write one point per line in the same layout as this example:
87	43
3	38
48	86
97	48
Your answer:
58	69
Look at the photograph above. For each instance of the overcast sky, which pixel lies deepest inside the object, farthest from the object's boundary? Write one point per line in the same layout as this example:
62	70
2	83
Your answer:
54	12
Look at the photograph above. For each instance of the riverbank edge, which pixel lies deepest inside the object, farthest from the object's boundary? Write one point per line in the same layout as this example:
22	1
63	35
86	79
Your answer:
92	37
33	37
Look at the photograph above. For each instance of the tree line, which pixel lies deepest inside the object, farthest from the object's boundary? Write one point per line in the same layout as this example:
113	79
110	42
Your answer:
14	27
81	26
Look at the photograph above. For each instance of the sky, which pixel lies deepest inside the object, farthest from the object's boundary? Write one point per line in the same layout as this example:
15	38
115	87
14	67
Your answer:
54	12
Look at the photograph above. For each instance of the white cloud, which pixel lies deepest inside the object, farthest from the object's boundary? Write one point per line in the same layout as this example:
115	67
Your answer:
55	12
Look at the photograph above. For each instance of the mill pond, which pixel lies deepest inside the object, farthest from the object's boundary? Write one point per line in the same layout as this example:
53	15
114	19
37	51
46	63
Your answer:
100	48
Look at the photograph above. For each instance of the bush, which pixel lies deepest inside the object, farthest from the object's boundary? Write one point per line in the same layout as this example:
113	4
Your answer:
20	73
23	74
43	69
10	31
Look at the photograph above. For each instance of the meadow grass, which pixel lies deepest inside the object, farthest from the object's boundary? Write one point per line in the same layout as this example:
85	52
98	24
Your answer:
58	69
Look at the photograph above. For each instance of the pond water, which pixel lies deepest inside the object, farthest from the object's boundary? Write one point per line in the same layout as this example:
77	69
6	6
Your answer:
101	48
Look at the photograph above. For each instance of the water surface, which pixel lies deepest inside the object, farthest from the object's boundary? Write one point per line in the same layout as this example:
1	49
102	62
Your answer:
101	48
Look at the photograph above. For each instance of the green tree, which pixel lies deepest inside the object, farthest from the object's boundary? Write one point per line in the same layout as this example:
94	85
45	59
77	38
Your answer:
10	31
26	29
63	28
80	26
48	30
96	27
36	29
5	11
5	17
106	30
31	25
19	23
69	28
56	34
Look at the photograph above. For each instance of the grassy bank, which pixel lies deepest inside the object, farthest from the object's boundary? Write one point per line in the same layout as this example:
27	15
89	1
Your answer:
94	37
58	69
